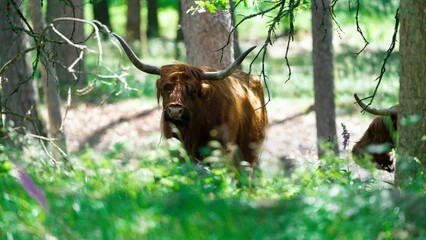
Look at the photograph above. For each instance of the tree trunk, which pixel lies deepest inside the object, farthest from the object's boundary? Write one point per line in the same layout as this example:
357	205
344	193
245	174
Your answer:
322	52
237	49
179	33
204	33
19	95
411	158
65	53
50	84
101	13
152	30
133	25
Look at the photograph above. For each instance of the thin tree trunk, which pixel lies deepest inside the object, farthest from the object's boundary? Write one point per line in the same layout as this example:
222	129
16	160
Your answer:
50	84
19	95
66	54
133	25
204	34
237	49
411	158
179	33
322	53
101	13
152	26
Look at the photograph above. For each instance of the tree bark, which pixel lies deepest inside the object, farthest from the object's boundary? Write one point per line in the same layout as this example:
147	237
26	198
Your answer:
19	95
204	33
152	30
133	25
179	33
49	82
65	53
237	49
322	53
411	151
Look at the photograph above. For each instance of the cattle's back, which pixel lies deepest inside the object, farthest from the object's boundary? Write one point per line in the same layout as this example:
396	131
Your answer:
257	100
243	102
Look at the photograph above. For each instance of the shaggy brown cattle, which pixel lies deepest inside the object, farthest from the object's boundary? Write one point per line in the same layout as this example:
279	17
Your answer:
206	104
378	140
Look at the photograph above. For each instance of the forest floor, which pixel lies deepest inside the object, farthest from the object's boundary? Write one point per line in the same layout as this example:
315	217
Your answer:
291	135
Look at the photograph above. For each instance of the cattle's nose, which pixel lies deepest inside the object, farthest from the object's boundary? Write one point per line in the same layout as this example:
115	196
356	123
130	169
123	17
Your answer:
176	114
174	111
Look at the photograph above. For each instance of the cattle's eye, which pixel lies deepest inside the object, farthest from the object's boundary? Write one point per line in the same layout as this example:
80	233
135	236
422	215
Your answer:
168	88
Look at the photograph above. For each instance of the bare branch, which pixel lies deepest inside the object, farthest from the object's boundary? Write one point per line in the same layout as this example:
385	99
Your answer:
245	18
16	58
358	28
20	14
388	54
51	141
39	137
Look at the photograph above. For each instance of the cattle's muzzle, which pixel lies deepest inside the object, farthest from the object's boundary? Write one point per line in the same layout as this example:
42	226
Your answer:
176	114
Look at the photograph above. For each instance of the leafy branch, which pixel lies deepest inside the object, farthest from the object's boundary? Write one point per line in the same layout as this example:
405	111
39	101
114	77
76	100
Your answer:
284	9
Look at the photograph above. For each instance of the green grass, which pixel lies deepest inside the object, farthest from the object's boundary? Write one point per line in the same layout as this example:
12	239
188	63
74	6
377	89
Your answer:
122	195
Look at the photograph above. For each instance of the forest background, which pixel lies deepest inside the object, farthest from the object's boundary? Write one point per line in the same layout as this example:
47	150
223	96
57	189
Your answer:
122	190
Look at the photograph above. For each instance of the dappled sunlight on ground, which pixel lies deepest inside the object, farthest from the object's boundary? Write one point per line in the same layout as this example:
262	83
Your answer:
291	139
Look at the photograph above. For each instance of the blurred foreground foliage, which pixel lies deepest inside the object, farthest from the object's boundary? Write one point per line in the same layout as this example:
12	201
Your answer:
118	194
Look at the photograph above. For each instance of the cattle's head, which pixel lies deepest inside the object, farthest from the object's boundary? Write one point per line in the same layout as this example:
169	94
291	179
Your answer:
179	87
378	139
180	84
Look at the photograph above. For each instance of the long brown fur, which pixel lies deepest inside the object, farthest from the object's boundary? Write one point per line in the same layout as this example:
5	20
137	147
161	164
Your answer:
380	131
231	110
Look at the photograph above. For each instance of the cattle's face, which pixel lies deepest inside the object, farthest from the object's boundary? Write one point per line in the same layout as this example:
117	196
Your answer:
179	87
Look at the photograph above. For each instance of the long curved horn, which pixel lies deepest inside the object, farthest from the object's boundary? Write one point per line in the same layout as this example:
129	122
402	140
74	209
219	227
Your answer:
229	70
136	62
393	111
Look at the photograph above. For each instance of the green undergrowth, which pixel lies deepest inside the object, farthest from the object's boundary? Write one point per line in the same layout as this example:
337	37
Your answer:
118	194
